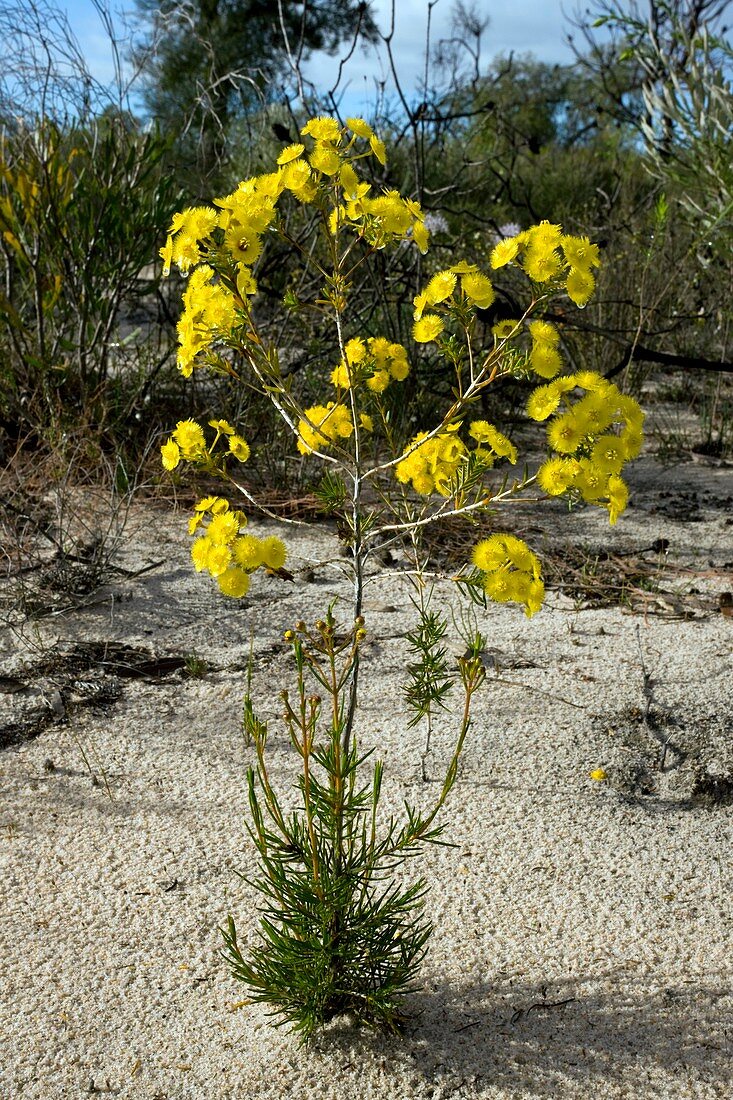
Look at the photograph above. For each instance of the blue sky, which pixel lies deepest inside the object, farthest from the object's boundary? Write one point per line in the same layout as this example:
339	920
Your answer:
514	25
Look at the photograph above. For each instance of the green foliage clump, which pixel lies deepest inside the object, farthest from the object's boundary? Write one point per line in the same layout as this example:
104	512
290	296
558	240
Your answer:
339	934
76	206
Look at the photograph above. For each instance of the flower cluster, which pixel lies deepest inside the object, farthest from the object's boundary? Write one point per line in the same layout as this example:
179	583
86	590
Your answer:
213	309
491	443
431	463
544	356
592	439
376	360
322	426
547	255
463	280
209	312
224	552
188	442
510	572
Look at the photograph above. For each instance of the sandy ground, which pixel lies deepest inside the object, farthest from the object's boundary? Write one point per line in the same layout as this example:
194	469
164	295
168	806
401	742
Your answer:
583	939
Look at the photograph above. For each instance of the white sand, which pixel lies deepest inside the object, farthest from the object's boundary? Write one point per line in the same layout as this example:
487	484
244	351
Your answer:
583	942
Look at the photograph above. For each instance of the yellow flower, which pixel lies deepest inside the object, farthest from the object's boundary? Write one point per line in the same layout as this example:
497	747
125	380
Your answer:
186	252
478	289
378	381
432	463
544	333
580	253
170	454
200	553
545	360
534	598
222	426
463	267
274	552
340	422
218	559
565	434
391	211
325	158
428	328
423	484
195	222
598	774
378	148
206	504
556	475
419	302
608	454
244	246
223	528
629	410
349	180
502	585
323	128
366	422
592	482
511	571
590	380
359	127
544	236
502	330
239	448
290	153
440	287
487	434
632	440
505	252
190	438
618	497
421	236
489	554
298	178
166	255
399	367
580	285
247	551
233	582
543	401
542	264
322	426
340	377
355	351
246	283
594	413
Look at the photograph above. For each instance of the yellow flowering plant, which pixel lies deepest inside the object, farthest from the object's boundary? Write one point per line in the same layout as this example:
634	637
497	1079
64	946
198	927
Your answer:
338	933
